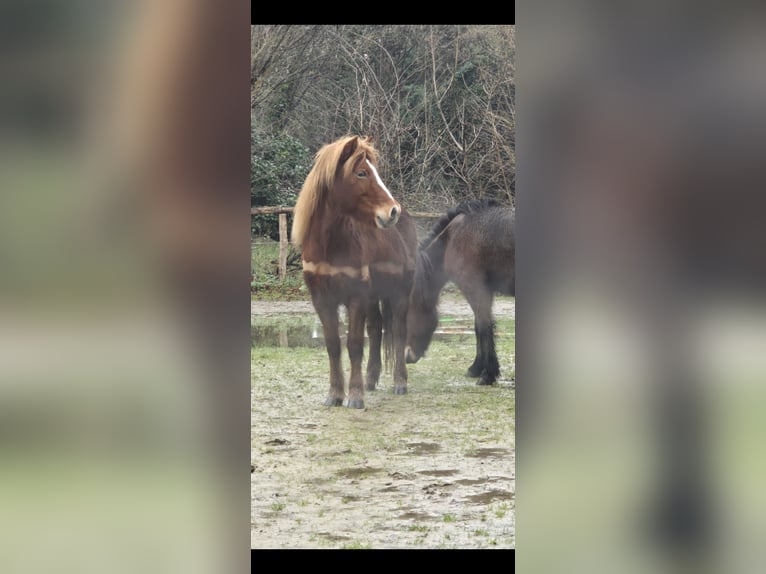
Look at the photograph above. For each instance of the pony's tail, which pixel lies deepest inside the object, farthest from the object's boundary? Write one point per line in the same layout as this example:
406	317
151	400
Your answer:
388	336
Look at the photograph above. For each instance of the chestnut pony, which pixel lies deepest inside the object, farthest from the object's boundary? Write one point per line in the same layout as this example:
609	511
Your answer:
358	250
474	246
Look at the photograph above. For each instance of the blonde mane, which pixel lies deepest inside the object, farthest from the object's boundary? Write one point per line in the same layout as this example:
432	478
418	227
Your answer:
321	179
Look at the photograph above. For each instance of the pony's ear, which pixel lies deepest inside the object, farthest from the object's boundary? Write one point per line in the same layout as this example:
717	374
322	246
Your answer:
349	149
370	139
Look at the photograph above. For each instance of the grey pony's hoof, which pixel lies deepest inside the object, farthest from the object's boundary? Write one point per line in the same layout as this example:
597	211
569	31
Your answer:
473	372
356	403
486	381
333	402
400	390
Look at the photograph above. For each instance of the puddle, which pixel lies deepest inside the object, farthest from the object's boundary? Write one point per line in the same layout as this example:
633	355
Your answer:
305	330
489	453
284	332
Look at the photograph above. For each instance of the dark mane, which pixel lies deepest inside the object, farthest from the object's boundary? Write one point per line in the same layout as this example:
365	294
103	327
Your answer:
469	206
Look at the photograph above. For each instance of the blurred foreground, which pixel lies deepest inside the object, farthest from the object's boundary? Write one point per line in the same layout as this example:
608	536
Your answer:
642	273
124	371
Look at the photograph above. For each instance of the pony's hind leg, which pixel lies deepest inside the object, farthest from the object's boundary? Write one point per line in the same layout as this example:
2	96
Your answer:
399	327
355	344
328	315
375	334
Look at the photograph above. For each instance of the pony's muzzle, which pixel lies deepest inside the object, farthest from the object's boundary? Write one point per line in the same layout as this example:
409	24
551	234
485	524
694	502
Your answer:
409	355
384	219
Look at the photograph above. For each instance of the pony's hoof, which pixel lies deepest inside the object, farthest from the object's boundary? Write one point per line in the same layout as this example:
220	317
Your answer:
333	402
400	390
485	381
356	403
473	373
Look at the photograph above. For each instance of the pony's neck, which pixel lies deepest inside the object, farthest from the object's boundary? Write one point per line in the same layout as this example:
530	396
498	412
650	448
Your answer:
334	238
430	278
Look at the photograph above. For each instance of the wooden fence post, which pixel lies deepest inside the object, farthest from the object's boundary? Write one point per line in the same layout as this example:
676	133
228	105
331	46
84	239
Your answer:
282	246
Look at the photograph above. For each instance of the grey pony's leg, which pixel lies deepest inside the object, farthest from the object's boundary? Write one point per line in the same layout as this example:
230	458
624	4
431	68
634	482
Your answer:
375	334
355	345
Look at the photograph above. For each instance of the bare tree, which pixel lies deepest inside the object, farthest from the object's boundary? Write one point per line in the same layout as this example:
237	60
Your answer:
439	101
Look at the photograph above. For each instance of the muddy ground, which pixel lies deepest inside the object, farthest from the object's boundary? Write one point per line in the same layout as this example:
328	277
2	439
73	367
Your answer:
434	468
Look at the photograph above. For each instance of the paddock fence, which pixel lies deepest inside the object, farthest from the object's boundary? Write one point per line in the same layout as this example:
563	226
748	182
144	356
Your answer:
284	241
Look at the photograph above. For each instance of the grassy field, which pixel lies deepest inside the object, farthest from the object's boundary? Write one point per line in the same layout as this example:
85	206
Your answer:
431	469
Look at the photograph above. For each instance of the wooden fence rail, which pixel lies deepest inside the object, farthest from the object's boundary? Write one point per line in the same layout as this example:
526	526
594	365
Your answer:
275	210
283	240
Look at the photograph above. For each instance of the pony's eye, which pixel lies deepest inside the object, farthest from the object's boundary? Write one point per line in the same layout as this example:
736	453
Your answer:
361	173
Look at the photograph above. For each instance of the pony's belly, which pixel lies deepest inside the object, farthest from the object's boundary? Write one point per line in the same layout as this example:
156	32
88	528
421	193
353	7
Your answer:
380	279
390	280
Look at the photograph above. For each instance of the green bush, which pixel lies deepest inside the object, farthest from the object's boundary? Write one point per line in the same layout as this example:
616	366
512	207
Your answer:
278	166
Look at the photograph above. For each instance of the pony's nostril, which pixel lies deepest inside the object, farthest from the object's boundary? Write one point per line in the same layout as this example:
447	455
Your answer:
394	215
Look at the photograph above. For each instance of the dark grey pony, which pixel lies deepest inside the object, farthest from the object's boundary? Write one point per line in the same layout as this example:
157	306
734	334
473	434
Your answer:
474	246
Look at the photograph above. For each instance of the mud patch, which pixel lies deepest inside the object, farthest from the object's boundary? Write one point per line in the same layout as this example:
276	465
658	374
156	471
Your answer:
421	448
489	497
475	481
417	516
277	442
489	453
331	536
358	472
449	472
401	476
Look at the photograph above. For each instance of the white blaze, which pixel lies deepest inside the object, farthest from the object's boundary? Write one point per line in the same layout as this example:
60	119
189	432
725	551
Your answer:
377	178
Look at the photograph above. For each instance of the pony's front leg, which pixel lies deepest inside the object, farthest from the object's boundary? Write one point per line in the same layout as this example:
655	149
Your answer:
355	344
491	371
486	359
328	315
474	371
